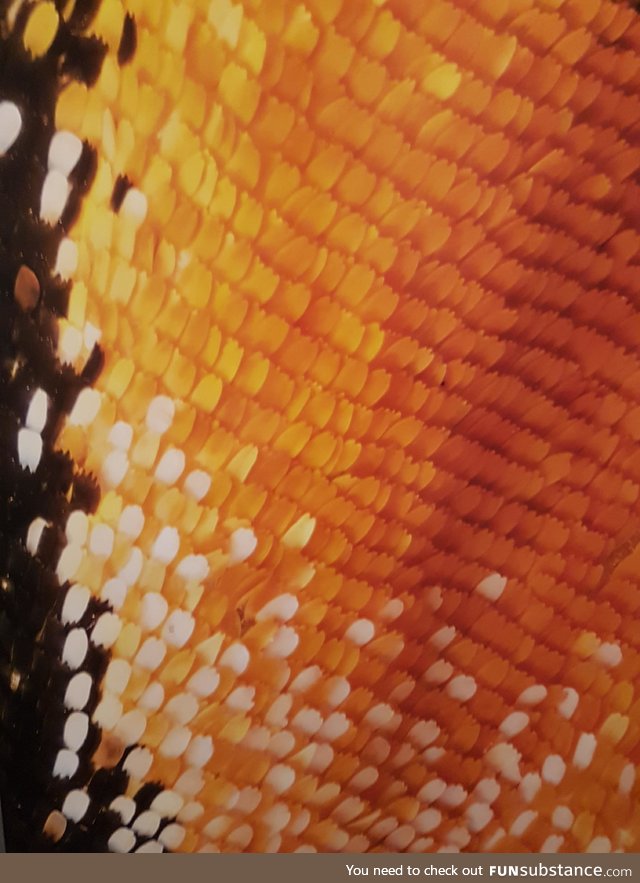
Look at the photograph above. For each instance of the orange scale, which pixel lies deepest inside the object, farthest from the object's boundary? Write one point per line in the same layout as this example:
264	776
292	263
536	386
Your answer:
465	736
539	619
294	81
516	235
346	122
594	797
343	418
476	543
517	645
152	579
463	238
541	79
561	738
383	35
610	520
361	417
346	455
494	671
583	830
440	22
535	835
163	769
300	202
439	180
337	512
475	95
344	767
627	69
571	47
388	647
617	813
586	94
367	79
471	770
250	374
437	133
401	102
486	707
308	791
545	663
521	562
379	251
457	770
588	713
469	500
325	367
380	305
273	679
273	123
509	843
503	108
602	684
489	153
354	284
358	704
401	219
277	392
431	234
624	164
616	22
415	776
612	771
320	409
459	344
375	387
418	397
399	351
628	742
361	526
593	268
404	808
548	799
464	653
156	730
177	669
296	257
351	377
462	199
496	205
395	540
168	506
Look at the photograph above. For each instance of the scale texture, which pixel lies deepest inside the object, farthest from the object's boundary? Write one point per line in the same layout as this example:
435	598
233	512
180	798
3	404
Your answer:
319	424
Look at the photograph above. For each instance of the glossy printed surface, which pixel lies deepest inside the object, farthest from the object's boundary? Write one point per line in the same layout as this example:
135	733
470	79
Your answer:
352	301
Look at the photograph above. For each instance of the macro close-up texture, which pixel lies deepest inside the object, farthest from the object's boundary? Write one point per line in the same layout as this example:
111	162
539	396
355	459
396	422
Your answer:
319	425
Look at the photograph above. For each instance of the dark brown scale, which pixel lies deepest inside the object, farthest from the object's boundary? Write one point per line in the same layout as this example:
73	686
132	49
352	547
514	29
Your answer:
84	12
56	298
71	211
82	175
33	678
146	795
83	59
49	545
85	493
120	188
93	366
106	785
128	40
